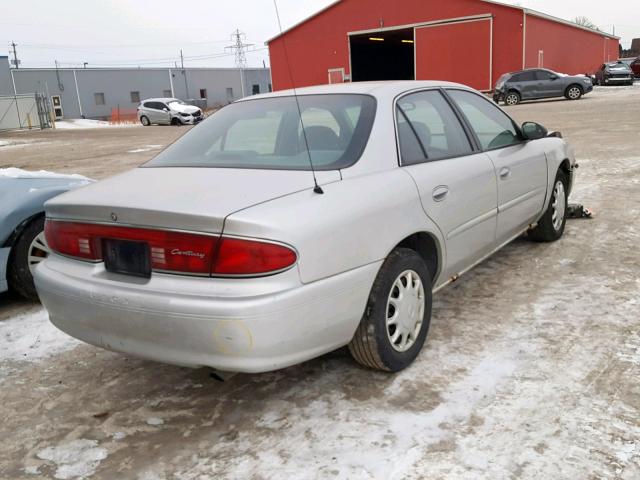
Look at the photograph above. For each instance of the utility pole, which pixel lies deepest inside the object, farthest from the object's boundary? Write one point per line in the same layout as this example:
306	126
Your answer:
184	73
16	62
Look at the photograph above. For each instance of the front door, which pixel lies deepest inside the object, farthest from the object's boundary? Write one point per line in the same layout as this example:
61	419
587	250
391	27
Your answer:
520	166
457	185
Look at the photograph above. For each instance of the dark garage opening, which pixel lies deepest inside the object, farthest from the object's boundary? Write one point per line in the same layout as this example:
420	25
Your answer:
386	55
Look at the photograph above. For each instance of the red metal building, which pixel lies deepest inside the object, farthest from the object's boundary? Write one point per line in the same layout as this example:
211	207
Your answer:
466	41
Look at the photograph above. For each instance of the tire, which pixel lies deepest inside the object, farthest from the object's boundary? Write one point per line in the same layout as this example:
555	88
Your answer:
176	122
573	92
372	345
145	121
551	226
512	98
29	249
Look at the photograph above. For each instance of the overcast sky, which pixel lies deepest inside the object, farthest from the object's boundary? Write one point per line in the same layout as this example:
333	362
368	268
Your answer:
152	32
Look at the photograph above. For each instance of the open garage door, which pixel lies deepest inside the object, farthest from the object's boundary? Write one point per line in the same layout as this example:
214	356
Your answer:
456	51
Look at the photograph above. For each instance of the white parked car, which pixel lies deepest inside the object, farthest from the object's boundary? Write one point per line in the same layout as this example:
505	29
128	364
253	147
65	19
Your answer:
220	252
168	111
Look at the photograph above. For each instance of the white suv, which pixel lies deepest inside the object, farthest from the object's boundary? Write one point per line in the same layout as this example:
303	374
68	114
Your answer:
168	111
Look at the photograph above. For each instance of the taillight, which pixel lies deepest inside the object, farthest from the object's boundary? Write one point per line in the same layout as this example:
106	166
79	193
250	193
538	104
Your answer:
250	257
170	251
178	252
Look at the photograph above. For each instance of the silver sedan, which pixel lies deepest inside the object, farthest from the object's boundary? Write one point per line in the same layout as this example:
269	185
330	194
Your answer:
286	226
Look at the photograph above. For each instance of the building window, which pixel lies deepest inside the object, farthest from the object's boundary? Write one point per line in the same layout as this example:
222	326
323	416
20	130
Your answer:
255	89
99	97
135	97
270	88
229	93
166	93
203	93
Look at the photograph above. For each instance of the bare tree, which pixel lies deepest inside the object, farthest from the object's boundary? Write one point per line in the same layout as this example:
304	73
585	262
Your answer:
585	22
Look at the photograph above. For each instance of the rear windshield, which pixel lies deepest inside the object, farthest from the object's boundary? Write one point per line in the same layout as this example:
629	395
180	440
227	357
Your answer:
267	133
618	66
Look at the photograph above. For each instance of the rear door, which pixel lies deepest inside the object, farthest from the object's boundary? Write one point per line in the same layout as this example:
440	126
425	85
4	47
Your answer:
520	166
457	184
527	84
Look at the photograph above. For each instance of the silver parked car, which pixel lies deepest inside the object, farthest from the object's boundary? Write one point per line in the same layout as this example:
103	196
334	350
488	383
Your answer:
539	83
168	111
22	242
221	252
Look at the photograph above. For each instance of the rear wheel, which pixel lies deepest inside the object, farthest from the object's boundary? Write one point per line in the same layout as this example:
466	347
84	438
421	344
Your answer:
574	92
512	98
145	121
551	226
28	251
396	321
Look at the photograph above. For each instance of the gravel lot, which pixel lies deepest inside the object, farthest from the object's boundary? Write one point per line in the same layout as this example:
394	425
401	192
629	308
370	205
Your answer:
530	370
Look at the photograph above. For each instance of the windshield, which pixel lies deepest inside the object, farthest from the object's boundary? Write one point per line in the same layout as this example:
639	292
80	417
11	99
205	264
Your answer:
618	66
267	133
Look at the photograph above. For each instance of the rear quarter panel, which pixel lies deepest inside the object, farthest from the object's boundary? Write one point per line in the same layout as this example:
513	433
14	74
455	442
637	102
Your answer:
356	222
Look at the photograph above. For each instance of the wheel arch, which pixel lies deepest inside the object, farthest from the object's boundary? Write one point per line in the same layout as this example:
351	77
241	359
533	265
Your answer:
427	246
11	240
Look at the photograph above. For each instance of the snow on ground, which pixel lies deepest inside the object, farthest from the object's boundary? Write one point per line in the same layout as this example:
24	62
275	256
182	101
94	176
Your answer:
32	337
85	123
74	459
20	173
146	148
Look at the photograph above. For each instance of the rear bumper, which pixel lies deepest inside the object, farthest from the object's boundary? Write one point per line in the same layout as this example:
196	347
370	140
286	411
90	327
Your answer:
252	325
618	80
4	260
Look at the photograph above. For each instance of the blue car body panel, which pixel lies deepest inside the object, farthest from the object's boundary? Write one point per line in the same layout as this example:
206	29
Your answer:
21	199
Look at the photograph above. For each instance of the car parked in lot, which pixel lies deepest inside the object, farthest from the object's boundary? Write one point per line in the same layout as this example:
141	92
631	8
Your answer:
635	67
168	111
284	226
618	73
22	242
539	83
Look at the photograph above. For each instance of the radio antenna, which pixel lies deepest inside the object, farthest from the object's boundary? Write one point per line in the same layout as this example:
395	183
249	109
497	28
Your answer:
317	188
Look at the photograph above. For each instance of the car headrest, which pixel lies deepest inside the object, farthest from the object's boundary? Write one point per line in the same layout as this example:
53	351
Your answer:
320	138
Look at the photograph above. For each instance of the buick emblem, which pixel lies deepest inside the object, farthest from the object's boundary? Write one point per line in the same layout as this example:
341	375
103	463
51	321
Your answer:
114	217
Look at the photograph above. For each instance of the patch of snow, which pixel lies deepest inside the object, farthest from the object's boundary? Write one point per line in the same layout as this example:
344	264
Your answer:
32	470
119	435
74	459
85	123
155	421
31	337
13	172
146	148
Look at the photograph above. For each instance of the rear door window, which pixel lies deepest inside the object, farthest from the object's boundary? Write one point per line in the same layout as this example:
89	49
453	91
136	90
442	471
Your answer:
491	125
428	129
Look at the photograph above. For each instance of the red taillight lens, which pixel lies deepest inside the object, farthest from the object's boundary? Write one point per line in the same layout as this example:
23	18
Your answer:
248	257
170	251
174	251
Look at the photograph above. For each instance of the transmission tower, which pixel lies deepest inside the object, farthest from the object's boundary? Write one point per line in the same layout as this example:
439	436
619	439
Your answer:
239	48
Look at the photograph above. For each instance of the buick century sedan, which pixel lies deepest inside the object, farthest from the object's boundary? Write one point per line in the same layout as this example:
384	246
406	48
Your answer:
291	224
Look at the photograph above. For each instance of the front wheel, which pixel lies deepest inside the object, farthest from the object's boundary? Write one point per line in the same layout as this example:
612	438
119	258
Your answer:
396	320
551	226
574	92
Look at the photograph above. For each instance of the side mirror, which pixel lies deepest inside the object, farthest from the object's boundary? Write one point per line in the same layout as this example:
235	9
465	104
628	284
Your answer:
534	131
553	77
165	109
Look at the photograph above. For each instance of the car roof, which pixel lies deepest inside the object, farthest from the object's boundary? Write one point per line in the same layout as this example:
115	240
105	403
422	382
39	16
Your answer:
382	88
163	99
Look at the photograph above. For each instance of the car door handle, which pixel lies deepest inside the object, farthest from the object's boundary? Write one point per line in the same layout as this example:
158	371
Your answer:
440	193
505	173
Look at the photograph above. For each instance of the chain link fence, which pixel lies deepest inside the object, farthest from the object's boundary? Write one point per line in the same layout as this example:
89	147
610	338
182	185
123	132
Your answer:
24	111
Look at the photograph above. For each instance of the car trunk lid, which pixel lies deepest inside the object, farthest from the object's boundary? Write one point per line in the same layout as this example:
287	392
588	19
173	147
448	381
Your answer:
191	199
